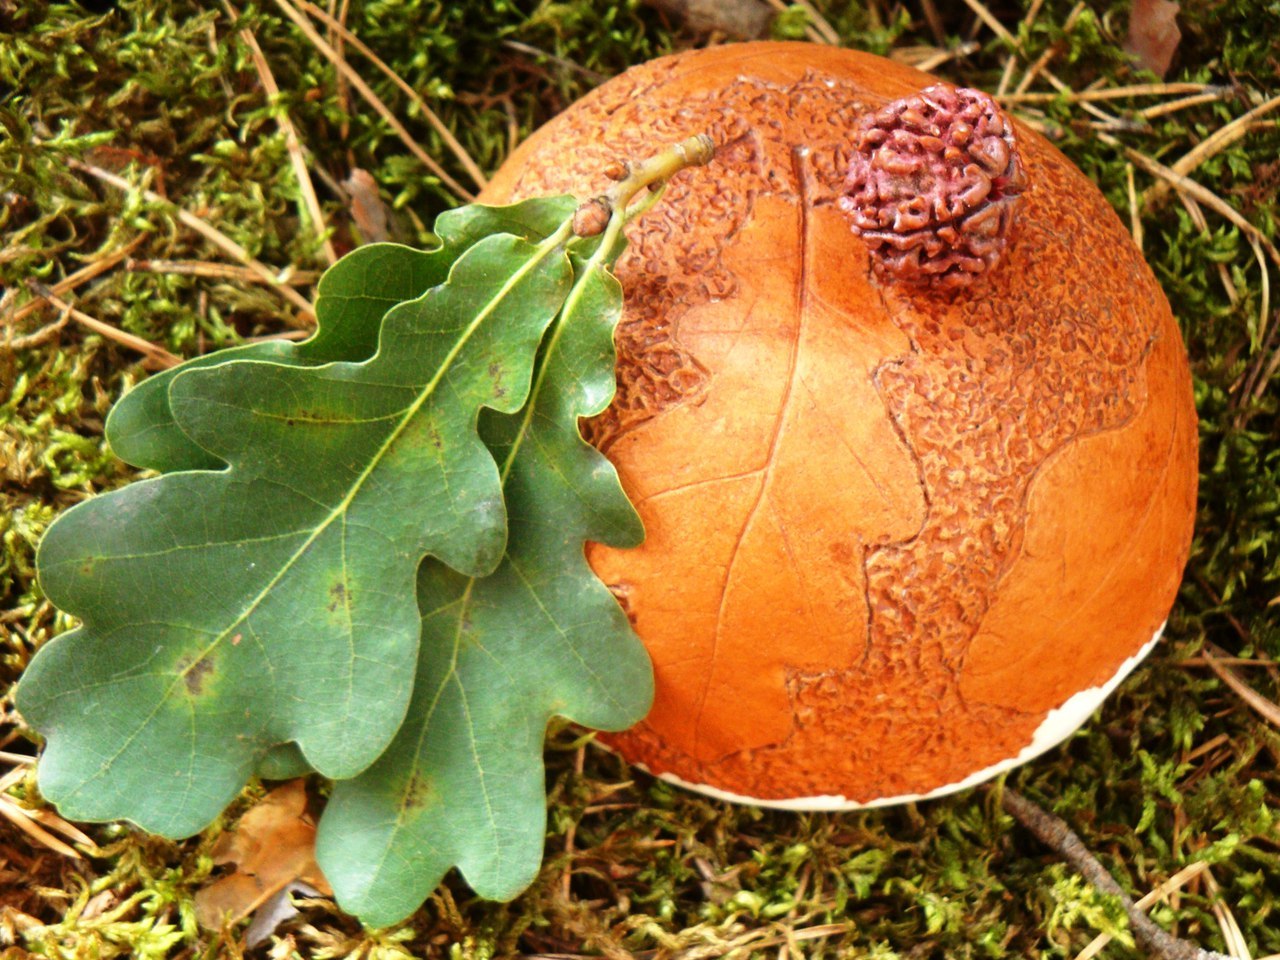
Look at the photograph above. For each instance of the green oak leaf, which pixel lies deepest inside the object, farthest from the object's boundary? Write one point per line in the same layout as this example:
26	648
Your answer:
284	761
228	611
463	783
352	298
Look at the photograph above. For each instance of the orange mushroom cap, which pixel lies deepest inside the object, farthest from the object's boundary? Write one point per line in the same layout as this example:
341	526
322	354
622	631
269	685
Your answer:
898	537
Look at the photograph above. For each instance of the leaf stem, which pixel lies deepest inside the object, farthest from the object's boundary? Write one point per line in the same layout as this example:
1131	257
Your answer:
696	151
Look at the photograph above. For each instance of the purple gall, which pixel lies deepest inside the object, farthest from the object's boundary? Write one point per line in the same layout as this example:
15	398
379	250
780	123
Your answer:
933	186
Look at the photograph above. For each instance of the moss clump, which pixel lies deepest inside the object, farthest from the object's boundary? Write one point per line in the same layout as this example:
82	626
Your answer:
1174	769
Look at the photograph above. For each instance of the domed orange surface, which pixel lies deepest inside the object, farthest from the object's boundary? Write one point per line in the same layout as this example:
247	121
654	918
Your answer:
897	539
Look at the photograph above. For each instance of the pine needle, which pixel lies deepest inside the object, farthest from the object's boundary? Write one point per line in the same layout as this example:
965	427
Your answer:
1265	708
210	233
159	356
372	99
1176	882
292	142
1213	144
450	141
95	268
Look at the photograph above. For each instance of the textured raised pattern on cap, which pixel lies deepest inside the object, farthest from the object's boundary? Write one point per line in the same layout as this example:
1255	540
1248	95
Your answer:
933	184
806	645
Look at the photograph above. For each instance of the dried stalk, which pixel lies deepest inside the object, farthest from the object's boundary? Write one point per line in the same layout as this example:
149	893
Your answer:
1135	219
1119	93
810	31
209	232
158	356
1176	882
450	141
1216	142
1198	192
216	271
292	142
372	99
1213	95
1050	52
1054	833
1265	708
73	280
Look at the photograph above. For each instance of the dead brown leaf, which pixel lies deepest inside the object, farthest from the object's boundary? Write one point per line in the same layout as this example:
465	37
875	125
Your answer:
367	208
273	845
1153	34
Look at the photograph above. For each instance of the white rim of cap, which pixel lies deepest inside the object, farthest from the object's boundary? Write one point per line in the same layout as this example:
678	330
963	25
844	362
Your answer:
1060	723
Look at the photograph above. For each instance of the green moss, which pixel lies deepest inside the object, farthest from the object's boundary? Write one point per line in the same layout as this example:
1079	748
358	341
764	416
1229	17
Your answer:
165	95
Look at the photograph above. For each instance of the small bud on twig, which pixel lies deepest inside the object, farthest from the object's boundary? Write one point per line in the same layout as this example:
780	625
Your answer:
591	217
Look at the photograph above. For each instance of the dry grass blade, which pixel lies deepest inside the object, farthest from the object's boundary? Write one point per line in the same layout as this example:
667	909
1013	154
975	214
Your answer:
1111	120
342	88
1202	224
797	936
52	821
218	271
1217	141
530	50
1229	662
209	232
1135	219
819	22
1232	935
1052	51
12	777
285	335
68	283
1221	740
292	143
1001	31
1264	707
1213	95
357	81
1120	93
1011	63
930	58
37	338
934	19
21	819
1257	380
810	30
996	27
1268	374
1198	192
450	141
159	356
1176	882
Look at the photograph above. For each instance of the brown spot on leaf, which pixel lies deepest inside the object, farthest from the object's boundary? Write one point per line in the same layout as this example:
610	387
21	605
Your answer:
337	596
195	673
418	794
